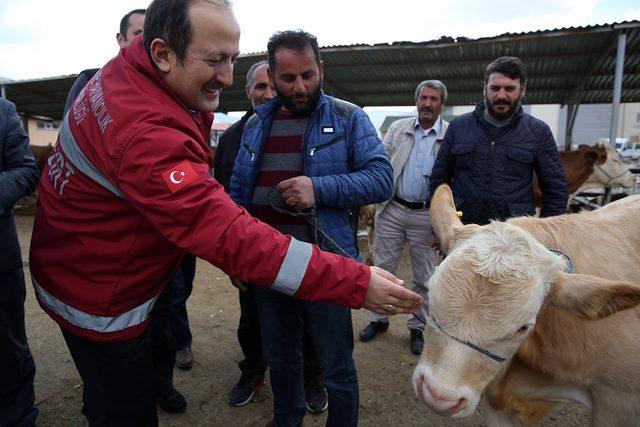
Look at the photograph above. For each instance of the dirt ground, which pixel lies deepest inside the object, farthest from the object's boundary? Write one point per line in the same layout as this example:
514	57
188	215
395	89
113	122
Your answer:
385	365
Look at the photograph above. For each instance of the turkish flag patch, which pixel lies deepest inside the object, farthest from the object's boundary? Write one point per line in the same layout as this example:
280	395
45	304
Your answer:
179	176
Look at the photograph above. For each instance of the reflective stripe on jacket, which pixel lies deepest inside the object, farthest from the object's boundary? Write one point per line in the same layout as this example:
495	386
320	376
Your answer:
127	190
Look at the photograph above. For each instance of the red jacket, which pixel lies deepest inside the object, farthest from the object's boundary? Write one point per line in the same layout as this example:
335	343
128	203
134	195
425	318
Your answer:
127	190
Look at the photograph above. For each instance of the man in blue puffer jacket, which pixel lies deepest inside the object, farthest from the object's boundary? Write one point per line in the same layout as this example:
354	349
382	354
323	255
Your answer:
314	153
488	156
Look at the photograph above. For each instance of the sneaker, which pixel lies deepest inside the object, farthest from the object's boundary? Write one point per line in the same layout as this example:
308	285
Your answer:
242	392
316	397
172	402
416	342
373	329
184	358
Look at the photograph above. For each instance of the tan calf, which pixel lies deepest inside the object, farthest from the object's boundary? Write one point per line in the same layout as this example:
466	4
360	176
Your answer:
506	319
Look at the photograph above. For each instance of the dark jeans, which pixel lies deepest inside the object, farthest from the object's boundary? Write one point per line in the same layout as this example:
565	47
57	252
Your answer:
17	368
182	284
250	340
282	320
118	380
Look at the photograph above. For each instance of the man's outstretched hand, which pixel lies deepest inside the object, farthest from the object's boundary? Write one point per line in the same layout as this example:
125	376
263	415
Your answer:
387	296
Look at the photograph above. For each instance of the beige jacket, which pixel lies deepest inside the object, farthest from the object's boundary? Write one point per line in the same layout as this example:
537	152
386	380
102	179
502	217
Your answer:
398	143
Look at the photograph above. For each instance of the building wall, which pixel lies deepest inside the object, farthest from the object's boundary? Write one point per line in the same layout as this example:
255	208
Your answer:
594	121
42	132
629	124
550	114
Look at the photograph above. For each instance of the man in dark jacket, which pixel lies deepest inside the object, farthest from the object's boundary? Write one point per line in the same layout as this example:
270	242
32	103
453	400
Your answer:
18	178
488	156
130	26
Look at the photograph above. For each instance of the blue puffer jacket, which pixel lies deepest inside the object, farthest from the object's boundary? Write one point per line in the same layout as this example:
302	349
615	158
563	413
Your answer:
343	156
490	170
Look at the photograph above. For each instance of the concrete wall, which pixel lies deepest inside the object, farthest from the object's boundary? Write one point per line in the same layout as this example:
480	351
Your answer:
42	136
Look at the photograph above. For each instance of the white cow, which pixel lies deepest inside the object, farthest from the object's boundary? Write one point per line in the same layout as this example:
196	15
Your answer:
612	173
506	318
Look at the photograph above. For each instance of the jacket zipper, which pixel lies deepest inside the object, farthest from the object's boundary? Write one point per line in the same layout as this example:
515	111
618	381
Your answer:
253	155
326	144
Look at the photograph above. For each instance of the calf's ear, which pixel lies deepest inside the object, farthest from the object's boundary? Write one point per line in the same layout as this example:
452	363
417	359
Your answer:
593	297
445	219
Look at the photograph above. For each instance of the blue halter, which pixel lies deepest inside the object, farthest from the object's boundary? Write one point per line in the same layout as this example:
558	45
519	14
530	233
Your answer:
565	256
469	344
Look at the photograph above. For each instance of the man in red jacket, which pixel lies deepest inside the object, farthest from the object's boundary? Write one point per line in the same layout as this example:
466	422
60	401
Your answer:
127	191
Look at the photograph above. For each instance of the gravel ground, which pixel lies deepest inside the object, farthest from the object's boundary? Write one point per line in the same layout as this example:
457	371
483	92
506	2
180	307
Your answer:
385	366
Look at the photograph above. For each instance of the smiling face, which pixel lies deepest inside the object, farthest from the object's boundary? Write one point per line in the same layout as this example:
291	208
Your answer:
483	301
207	67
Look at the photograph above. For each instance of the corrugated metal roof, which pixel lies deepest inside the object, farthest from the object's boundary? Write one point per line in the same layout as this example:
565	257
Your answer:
561	64
557	62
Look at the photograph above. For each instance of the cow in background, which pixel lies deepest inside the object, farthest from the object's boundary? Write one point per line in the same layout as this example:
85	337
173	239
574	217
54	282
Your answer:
590	166
41	153
533	311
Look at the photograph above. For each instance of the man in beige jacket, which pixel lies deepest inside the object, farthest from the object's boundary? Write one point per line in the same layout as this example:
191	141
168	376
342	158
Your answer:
412	145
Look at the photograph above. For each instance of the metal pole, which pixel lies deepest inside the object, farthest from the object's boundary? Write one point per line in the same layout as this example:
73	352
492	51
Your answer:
3	91
617	88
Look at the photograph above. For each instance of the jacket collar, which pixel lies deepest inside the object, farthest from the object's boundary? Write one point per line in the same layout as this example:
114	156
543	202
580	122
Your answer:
479	112
269	108
440	126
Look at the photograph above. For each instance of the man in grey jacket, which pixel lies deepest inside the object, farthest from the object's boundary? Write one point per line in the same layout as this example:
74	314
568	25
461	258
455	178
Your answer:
412	145
18	178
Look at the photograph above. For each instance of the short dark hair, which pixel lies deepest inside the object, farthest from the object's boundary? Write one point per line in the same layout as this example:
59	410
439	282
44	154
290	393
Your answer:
124	22
169	20
510	66
296	40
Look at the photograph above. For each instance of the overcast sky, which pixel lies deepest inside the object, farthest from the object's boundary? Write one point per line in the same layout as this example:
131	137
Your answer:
44	38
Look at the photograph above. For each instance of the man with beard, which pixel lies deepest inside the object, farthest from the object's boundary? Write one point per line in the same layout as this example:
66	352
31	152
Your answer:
488	156
411	145
306	162
259	90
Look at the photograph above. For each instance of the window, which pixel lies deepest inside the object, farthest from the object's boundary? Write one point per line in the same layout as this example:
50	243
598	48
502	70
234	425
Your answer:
47	126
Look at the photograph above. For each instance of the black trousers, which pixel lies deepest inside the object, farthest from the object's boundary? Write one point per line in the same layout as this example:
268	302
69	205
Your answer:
17	368
119	380
250	339
122	379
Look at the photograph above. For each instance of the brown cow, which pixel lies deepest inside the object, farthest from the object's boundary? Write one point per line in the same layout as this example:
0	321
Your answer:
508	320
41	153
588	165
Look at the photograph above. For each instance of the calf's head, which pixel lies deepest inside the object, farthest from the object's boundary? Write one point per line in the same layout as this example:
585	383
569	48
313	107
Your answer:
483	303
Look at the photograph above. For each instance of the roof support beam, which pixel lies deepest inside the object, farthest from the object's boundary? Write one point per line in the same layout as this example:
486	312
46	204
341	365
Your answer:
572	111
617	88
575	97
3	91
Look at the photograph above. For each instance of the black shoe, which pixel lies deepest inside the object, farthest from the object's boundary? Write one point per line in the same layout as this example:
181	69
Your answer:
242	392
172	402
316	396
417	341
373	329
